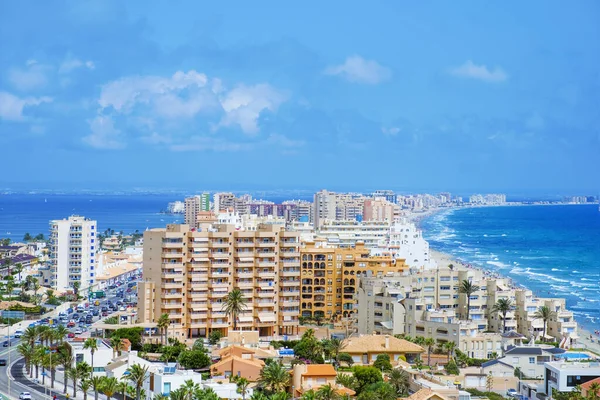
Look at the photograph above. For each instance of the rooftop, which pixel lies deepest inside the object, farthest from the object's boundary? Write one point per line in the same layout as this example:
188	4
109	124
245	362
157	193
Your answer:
320	370
377	344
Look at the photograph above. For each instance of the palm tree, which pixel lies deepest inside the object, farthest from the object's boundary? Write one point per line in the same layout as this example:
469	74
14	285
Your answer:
420	340
117	345
429	343
449	348
274	377
502	306
27	351
280	396
30	336
122	388
334	347
85	385
60	332
51	361
163	325
347	381
44	334
38	360
92	345
545	314
109	386
189	388
398	378
96	383
80	372
137	375
327	392
235	303
309	395
592	392
65	359
242	386
467	287
160	396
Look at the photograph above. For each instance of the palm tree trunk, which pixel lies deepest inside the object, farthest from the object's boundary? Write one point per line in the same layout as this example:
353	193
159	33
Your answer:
52	377
74	388
429	357
503	323
138	393
468	305
66	381
37	372
95	395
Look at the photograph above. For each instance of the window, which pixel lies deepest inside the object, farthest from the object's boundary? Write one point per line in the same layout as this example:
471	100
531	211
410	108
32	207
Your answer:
531	360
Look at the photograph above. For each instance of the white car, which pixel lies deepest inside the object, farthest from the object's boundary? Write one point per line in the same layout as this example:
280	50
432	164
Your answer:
18	334
122	308
78	331
25	396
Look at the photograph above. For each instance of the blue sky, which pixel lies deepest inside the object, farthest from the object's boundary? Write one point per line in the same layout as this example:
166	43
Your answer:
460	95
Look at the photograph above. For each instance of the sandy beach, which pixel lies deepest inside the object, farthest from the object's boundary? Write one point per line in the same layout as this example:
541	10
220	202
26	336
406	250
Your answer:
584	341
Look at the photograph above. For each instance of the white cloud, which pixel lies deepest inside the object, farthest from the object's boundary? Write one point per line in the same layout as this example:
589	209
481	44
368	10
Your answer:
33	76
393	131
164	95
244	104
12	107
104	134
479	72
357	69
72	63
155	138
204	143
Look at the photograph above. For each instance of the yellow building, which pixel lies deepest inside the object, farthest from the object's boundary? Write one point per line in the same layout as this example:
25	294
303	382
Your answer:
188	273
330	277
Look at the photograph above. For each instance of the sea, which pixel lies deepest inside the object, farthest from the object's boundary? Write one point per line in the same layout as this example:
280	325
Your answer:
552	250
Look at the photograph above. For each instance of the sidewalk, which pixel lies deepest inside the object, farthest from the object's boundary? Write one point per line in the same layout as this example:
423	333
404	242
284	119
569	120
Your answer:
585	342
59	387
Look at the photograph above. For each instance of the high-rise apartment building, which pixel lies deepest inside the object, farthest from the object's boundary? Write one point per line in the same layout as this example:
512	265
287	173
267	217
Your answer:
187	274
378	209
330	277
193	206
337	207
223	202
389	195
73	245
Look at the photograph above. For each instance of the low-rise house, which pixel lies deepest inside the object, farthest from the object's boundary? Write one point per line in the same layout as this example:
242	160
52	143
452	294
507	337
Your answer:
313	376
226	390
102	356
497	368
238	361
364	349
426	394
530	359
163	379
565	376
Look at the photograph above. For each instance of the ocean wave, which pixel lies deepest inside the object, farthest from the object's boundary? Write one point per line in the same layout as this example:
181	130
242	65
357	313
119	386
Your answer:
555	269
498	264
535	257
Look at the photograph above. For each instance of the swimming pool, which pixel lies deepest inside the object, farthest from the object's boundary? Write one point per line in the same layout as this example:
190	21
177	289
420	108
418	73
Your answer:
574	356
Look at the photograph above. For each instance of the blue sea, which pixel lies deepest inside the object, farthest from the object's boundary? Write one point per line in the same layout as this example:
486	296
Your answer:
552	250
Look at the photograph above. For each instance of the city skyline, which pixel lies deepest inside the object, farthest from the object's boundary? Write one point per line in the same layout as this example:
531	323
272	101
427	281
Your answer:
460	97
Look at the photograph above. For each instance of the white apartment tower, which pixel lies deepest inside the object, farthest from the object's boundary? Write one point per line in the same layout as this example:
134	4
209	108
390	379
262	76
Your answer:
73	246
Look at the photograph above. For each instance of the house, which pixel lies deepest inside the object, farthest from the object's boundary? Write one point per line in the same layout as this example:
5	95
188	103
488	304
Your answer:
312	376
426	394
163	379
226	390
238	361
118	367
497	368
364	349
585	388
530	359
102	356
564	376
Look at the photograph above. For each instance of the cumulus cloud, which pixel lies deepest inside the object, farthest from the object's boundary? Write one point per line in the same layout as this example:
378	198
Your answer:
479	72
33	76
103	134
357	69
72	63
244	104
12	107
159	106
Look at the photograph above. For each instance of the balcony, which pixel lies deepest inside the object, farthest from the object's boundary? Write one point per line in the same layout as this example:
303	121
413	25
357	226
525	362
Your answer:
219	323
289	283
244	274
261	244
290	254
172	285
197	295
243	244
266	264
198	323
291	272
171	254
171	295
172	245
245	284
265	293
218	285
270	274
171	305
218	295
172	275
293	303
265	254
264	303
265	284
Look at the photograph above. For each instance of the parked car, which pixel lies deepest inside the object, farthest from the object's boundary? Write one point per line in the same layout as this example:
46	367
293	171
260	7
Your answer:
70	335
25	396
78	331
512	393
2	362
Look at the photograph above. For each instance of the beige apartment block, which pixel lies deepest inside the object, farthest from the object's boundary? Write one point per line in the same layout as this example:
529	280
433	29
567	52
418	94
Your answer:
378	209
498	289
187	274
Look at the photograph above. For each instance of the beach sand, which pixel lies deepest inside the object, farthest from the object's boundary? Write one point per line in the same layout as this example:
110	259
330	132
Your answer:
443	260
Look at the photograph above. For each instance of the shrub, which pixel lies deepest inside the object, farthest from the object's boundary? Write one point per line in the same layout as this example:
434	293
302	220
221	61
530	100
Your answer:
451	368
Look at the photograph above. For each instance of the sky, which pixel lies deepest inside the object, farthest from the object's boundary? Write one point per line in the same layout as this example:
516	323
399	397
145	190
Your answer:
354	95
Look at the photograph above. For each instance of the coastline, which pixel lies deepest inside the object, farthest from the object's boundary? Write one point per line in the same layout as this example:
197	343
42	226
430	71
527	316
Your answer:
444	259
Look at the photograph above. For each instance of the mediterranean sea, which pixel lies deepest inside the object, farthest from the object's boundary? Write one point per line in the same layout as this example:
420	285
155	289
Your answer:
552	250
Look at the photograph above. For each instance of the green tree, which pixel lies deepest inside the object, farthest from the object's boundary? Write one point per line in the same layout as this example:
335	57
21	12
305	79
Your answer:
378	391
91	344
235	303
163	325
451	368
592	393
502	307
327	392
383	363
309	395
366	376
214	337
109	386
346	358
96	384
137	375
85	385
123	386
65	359
116	342
545	314
274	377
333	347
81	371
449	348
242	386
347	381
193	359
399	379
309	348
27	351
27	237
280	396
468	288
429	343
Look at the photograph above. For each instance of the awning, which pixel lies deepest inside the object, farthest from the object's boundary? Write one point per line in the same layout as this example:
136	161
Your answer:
246	259
266	317
387	324
244	318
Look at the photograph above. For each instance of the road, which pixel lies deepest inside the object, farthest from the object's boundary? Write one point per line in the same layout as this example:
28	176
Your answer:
21	383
